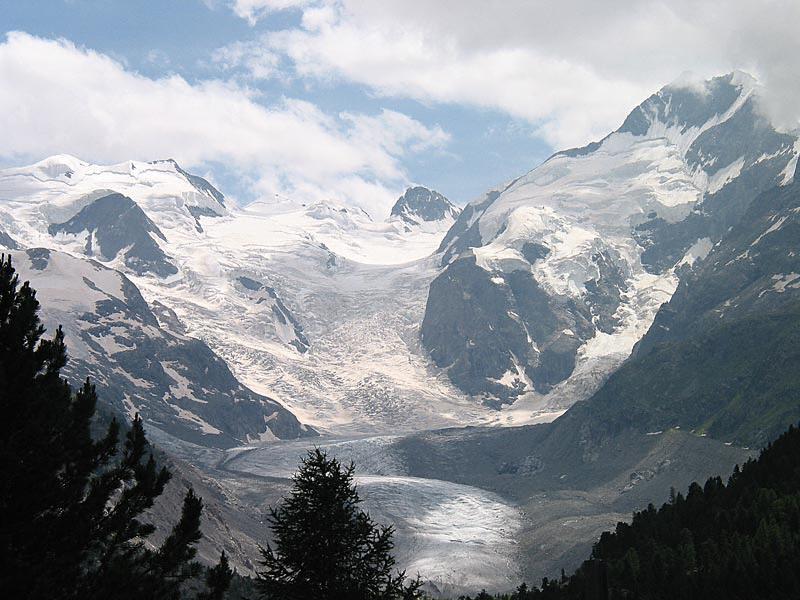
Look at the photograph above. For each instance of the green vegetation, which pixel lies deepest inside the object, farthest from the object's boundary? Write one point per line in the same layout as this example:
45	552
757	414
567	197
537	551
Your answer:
739	540
737	380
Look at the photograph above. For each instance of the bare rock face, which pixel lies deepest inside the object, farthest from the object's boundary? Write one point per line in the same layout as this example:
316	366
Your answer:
419	204
562	270
177	383
115	224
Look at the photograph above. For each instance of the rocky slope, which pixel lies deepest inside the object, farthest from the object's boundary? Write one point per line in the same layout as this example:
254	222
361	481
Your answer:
721	357
115	224
144	365
420	206
550	280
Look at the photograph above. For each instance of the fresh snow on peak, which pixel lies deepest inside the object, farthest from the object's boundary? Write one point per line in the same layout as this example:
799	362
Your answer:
349	233
312	303
59	165
56	189
419	204
682	110
704	87
198	182
79	175
348	216
562	270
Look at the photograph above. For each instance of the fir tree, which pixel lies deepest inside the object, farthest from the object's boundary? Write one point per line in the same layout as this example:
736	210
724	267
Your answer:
326	547
218	580
69	509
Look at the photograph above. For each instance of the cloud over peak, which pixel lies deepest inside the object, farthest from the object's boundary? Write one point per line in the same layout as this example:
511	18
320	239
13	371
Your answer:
572	69
57	97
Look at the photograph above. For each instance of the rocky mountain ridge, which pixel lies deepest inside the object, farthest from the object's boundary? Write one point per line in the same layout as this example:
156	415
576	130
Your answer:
143	364
420	205
550	280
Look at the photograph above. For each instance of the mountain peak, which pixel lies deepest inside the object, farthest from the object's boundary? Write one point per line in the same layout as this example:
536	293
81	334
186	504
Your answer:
117	225
420	204
691	104
59	165
199	183
683	109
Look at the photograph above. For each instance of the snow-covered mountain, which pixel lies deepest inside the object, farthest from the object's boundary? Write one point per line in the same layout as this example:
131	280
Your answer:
358	324
550	280
315	304
141	363
56	188
227	325
421	207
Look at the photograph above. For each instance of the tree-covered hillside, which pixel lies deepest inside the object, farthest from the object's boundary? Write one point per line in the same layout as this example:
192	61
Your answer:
734	540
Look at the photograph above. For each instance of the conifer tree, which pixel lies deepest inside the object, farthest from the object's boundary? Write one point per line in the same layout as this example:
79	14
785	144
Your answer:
218	580
326	547
69	509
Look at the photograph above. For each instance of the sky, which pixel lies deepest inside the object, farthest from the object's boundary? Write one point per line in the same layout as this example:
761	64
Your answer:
353	100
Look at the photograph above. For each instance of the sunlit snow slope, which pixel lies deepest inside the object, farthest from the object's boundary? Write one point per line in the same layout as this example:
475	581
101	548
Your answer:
316	305
505	312
550	280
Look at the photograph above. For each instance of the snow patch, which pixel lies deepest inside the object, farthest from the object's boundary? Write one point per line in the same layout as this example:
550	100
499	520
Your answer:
187	415
698	251
774	227
784	281
515	376
109	344
181	387
788	174
724	176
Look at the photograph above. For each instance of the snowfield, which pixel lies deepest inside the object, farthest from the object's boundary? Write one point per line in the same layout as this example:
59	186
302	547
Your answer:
315	305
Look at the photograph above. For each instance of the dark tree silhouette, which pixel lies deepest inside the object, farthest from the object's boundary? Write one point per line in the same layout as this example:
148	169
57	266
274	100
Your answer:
731	541
218	580
69	508
326	547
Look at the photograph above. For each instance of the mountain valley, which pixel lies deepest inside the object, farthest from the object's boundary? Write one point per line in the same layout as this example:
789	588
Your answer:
511	378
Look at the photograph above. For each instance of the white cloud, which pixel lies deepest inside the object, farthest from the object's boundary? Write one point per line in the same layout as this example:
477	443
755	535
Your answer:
393	132
258	62
158	58
56	97
253	10
573	69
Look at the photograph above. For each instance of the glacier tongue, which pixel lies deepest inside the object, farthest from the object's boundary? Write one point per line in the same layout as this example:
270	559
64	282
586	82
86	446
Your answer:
457	537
